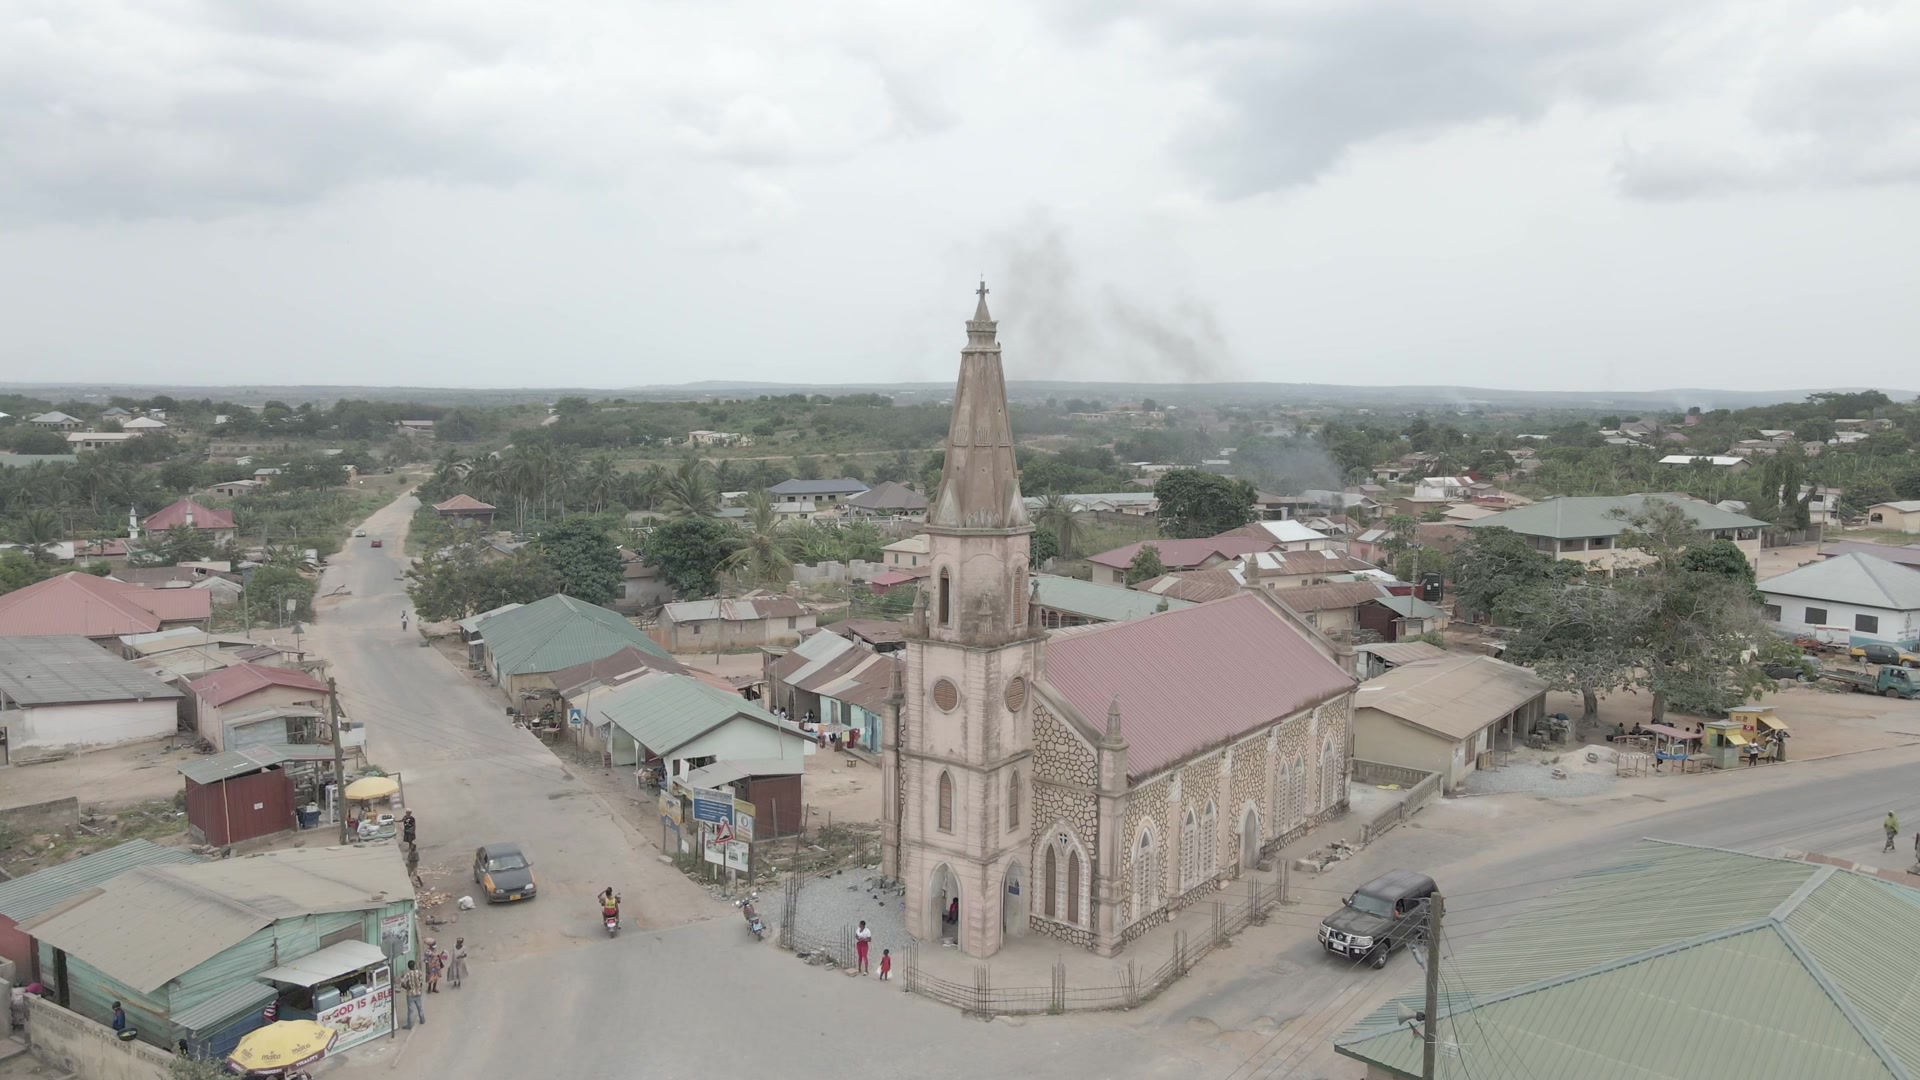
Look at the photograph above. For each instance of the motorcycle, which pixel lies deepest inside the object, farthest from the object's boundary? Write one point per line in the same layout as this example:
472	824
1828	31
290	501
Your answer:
613	925
753	920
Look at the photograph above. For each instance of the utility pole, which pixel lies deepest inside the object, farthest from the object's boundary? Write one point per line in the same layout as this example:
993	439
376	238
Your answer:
1435	906
340	770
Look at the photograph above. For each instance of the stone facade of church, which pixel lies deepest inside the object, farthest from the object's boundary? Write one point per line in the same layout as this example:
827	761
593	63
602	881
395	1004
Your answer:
1006	809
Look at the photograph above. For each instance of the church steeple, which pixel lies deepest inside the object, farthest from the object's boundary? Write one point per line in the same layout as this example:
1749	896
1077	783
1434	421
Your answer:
980	487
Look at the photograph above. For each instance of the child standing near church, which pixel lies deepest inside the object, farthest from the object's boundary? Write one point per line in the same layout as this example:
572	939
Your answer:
886	964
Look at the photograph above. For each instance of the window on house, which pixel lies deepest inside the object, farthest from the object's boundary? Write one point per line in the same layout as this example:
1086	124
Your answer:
946	802
1867	624
792	621
1073	887
1770	612
1046	895
1816	616
1013	799
696	629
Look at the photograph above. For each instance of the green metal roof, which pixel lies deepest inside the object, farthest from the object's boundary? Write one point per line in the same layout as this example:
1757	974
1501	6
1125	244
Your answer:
224	1007
664	712
1103	603
1407	607
559	632
1573	517
24	897
1683	963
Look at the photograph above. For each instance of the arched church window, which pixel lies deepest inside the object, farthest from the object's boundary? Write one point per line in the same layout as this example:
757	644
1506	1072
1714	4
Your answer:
1073	887
1146	875
1047	880
946	802
945	612
1013	798
1189	851
1209	842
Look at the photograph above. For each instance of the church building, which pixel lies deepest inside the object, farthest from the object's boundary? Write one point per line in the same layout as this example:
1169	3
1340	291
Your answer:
1087	782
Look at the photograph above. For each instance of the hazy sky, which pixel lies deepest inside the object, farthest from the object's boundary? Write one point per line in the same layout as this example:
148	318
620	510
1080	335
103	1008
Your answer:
1587	194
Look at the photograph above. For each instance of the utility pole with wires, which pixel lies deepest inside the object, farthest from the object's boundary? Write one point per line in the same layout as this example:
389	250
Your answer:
340	764
1429	1029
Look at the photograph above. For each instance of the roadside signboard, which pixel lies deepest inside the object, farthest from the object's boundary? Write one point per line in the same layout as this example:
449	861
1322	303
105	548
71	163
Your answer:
743	821
670	807
576	717
713	850
722	833
713	804
737	856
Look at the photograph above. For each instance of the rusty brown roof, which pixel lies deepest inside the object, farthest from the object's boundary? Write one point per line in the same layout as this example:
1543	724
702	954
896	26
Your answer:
1185	554
1194	586
1192	679
1337	594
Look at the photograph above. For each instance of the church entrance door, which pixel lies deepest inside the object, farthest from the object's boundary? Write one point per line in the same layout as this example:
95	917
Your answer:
1249	839
943	893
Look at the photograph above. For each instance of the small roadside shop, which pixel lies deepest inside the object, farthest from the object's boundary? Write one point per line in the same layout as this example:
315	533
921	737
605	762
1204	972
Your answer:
347	986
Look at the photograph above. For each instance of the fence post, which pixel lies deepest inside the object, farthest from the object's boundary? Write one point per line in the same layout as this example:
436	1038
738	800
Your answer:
1282	883
1133	984
1059	1003
1219	926
982	991
1256	912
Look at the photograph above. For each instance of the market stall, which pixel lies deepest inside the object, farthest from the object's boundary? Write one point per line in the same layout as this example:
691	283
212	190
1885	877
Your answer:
346	987
373	808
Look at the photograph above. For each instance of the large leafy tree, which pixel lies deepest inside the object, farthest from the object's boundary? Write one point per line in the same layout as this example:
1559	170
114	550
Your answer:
1146	565
1195	503
584	556
1576	635
1494	561
1698	623
688	552
459	582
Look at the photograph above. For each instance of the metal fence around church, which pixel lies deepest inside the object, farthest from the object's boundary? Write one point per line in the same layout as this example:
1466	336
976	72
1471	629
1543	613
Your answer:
1233	909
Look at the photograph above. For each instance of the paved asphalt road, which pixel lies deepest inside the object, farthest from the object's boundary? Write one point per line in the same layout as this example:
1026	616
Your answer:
551	996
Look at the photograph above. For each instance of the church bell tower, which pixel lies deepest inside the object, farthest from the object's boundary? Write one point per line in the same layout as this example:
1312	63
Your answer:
958	774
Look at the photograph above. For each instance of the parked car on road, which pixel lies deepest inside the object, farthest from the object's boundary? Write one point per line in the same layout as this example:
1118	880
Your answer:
505	872
1385	914
1876	653
376	543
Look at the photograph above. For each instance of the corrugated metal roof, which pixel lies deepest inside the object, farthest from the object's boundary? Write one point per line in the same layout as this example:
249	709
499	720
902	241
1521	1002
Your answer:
63	669
1902	556
1571	517
558	632
153	923
726	772
79	603
840	486
1454	697
889	495
1104	603
175	515
227	1005
463	501
1329	597
181	637
739	609
230	684
1718	965
1188	680
1396	653
1408	607
1184	554
472	622
224	766
665	712
1288	531
27	896
614	667
1193	586
1854	578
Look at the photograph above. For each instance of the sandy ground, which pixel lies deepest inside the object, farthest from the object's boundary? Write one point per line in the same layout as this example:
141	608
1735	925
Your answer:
1823	723
116	777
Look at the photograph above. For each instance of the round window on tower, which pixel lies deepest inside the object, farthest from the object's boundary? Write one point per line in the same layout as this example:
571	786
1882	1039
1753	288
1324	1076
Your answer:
946	695
1016	693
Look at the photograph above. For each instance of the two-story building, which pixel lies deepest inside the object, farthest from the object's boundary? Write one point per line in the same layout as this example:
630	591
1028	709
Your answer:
1587	528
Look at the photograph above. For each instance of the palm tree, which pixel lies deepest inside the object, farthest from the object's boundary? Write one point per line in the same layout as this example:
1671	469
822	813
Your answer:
600	483
689	491
1057	514
764	555
35	531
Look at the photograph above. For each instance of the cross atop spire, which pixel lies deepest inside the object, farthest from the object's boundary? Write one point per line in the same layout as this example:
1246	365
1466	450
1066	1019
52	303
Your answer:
980	309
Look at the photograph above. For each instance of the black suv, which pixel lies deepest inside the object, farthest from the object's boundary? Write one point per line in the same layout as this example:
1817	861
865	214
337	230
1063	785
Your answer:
1385	914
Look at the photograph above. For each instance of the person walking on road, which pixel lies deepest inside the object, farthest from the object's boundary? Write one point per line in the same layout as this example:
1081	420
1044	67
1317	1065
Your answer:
436	965
457	970
1892	826
862	940
413	984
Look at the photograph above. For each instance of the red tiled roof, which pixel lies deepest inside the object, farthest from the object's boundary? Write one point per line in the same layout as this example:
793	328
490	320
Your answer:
463	501
1328	597
892	577
1185	554
1192	678
100	549
172	517
77	603
233	683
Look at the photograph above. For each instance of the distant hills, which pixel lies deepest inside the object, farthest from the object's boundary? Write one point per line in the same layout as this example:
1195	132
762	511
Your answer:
1299	394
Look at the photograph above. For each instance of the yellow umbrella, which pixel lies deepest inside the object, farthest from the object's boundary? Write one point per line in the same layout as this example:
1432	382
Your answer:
371	787
282	1045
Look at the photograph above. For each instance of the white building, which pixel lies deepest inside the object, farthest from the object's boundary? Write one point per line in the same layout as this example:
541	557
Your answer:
60	693
1873	600
1293	535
